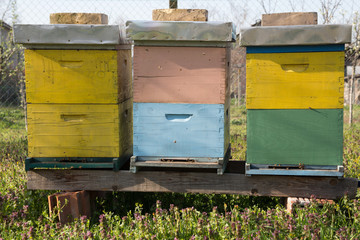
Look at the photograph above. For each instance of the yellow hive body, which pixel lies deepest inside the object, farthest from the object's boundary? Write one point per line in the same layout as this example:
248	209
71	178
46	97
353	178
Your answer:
79	130
77	76
295	80
79	103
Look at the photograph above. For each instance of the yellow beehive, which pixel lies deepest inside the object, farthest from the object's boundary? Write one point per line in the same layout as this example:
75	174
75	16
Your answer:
79	92
76	102
295	80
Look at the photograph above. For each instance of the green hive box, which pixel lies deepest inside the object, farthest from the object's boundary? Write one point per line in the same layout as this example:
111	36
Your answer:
283	139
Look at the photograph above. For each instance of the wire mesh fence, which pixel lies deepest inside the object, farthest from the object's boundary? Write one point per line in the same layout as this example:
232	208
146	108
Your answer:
242	13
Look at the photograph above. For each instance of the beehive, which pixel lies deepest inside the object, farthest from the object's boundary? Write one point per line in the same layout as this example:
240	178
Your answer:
295	97
79	95
181	91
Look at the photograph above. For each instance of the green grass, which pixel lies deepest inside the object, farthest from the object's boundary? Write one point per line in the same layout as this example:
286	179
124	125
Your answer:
12	118
24	213
238	131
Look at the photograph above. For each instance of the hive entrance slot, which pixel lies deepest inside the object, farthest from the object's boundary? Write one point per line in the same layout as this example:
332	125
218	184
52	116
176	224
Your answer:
177	160
300	166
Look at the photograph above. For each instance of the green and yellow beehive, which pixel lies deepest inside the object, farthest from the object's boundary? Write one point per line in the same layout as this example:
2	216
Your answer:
294	97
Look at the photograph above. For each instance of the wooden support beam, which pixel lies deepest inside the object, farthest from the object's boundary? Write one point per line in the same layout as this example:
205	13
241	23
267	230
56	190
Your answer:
194	182
173	4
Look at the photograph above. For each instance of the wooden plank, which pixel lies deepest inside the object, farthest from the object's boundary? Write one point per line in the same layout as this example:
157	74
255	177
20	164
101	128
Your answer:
289	18
179	130
186	182
301	136
180	75
124	67
78	18
295	80
126	129
179	15
227	99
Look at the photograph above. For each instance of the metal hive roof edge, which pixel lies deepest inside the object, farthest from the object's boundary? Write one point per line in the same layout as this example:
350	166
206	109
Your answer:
296	35
67	34
180	31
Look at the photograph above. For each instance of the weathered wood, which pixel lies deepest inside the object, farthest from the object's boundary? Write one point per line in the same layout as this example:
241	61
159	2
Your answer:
78	18
229	183
72	204
289	18
180	15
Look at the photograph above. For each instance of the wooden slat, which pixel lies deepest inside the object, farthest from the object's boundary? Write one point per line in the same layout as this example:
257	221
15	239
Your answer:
175	14
195	182
124	68
289	18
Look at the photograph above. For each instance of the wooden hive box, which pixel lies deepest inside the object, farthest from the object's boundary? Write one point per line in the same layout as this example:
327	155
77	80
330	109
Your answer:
181	130
181	89
295	97
79	94
77	76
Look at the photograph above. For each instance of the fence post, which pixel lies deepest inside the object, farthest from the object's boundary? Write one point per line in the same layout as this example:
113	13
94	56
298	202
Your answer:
173	4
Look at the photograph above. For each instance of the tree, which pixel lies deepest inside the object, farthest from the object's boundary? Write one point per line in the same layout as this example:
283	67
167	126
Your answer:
269	6
297	4
328	10
12	86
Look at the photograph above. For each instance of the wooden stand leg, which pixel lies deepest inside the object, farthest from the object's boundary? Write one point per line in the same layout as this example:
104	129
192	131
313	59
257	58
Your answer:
292	202
71	205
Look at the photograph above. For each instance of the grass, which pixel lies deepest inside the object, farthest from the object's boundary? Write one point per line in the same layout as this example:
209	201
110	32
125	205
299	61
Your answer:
238	131
24	213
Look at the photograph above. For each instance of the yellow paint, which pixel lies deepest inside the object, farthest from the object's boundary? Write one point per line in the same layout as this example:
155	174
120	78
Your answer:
72	76
79	130
295	80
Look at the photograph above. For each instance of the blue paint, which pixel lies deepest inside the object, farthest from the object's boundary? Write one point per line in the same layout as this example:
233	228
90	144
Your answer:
178	130
297	48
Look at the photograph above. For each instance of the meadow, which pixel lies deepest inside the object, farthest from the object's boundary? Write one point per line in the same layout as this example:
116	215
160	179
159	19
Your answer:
24	213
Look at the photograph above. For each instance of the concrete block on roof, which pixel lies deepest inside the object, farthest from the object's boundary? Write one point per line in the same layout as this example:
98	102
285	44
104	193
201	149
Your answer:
78	18
289	18
180	15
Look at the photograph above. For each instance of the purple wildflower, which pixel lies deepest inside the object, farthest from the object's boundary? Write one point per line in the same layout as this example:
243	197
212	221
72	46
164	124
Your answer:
102	218
88	234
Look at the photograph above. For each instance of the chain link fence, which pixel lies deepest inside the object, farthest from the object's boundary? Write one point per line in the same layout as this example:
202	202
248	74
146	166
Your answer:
242	13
